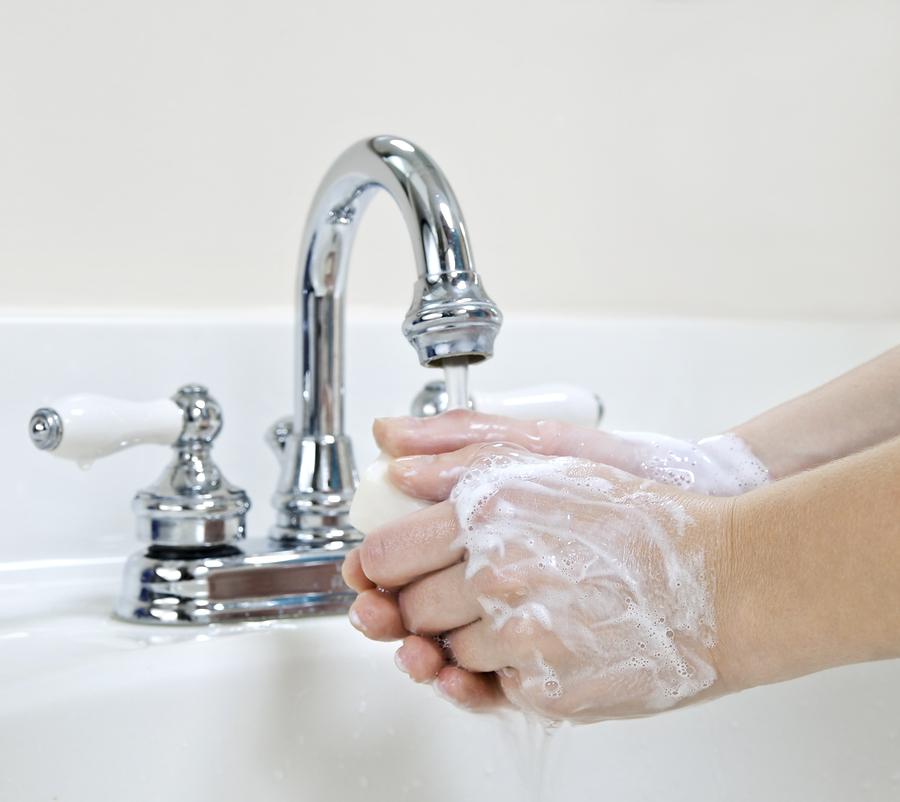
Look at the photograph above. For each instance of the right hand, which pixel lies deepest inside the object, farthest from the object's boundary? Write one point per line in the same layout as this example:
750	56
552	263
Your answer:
567	588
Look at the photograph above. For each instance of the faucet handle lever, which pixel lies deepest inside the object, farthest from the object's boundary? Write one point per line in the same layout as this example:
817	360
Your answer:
191	504
86	427
566	402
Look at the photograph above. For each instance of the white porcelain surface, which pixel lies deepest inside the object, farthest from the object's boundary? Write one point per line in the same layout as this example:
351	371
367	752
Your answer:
96	426
94	709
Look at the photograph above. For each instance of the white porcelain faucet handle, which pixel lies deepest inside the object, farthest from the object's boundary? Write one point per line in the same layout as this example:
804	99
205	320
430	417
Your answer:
571	403
566	402
86	427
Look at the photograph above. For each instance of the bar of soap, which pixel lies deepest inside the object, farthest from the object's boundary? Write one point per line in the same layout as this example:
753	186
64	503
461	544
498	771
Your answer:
378	500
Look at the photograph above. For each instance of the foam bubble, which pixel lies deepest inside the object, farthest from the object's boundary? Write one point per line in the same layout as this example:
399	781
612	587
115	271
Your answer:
620	612
723	465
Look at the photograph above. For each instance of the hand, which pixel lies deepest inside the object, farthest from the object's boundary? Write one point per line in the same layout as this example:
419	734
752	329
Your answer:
722	465
567	588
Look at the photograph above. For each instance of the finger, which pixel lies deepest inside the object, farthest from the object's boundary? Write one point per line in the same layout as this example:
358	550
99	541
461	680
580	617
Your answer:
457	429
438	602
420	658
433	476
449	431
477	647
410	547
476	692
353	574
375	613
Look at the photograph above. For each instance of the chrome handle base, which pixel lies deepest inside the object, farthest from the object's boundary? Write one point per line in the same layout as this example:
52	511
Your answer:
192	504
247	583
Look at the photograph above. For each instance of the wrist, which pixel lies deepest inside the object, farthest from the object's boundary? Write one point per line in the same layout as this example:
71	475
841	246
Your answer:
713	534
747	592
807	574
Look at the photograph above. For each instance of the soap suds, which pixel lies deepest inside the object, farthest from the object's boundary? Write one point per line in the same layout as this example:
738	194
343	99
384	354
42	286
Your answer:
586	578
722	465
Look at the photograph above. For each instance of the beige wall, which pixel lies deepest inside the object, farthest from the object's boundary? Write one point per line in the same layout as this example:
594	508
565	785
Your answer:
692	157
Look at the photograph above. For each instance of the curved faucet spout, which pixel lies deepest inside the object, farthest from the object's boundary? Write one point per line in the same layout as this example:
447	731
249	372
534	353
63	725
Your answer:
450	317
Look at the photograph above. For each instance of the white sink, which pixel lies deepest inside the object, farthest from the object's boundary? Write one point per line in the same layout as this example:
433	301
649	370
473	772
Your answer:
95	709
92	709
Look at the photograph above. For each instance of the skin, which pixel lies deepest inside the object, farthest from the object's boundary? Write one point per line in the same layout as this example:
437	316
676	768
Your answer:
419	556
855	411
811	571
807	570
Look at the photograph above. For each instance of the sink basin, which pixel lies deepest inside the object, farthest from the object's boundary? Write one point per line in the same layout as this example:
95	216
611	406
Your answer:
92	708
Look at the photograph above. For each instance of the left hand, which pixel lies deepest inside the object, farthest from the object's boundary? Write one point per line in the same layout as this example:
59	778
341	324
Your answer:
721	465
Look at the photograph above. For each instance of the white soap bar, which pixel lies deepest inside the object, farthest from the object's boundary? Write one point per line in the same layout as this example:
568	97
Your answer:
378	500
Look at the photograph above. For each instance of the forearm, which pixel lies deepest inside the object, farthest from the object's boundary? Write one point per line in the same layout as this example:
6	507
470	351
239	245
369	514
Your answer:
855	411
812	571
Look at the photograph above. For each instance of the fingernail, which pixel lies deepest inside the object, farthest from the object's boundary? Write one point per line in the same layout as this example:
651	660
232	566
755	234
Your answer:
398	661
355	620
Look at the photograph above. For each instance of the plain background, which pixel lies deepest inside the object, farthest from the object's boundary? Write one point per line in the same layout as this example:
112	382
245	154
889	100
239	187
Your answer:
692	158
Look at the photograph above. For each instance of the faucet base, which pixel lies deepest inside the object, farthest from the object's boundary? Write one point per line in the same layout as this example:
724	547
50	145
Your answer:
256	580
315	490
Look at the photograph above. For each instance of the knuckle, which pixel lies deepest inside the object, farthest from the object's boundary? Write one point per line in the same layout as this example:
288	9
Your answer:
550	433
498	584
524	631
374	557
479	453
409	610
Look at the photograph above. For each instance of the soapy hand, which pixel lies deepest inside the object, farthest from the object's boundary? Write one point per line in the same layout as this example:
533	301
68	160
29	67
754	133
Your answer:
568	588
722	465
541	576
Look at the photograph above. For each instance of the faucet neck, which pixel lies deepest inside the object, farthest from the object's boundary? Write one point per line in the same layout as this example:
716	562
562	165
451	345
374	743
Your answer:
451	316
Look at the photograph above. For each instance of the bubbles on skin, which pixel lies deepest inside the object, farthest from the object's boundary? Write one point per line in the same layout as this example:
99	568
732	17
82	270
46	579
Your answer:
622	618
722	465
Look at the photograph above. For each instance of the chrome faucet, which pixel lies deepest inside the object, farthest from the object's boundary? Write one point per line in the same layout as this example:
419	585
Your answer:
198	568
451	318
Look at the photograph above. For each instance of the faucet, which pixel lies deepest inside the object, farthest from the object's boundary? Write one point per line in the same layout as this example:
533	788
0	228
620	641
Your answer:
199	567
451	317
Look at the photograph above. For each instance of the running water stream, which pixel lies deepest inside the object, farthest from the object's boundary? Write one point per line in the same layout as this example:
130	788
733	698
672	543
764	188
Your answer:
456	378
529	739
